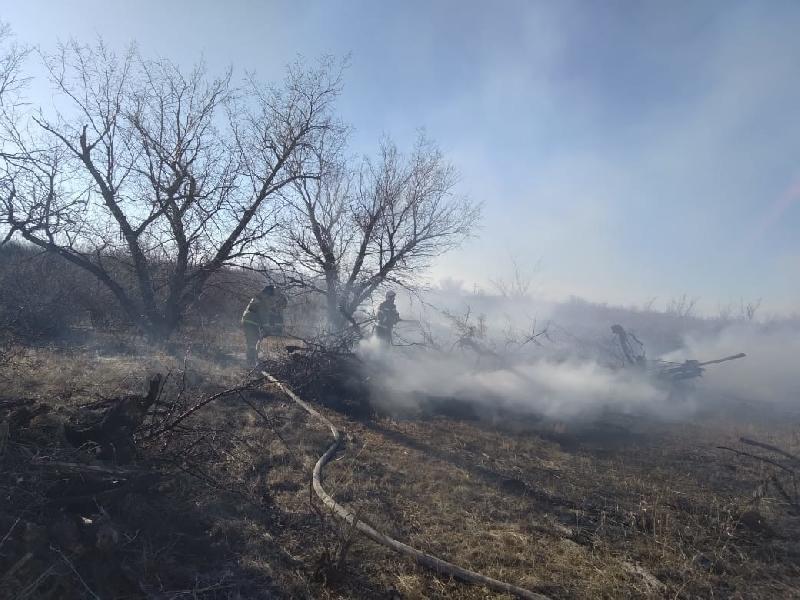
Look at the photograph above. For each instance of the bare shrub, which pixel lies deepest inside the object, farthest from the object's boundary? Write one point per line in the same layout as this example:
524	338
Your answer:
682	306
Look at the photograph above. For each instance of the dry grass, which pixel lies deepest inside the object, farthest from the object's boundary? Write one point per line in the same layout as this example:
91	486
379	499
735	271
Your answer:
625	509
658	514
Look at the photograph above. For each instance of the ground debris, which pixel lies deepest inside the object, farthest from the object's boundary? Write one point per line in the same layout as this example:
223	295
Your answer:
113	428
62	494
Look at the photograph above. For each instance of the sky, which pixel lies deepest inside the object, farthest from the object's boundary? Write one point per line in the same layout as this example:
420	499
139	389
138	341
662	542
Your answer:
622	150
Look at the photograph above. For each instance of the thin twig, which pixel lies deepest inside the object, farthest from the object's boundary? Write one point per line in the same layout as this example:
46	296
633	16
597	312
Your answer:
5	537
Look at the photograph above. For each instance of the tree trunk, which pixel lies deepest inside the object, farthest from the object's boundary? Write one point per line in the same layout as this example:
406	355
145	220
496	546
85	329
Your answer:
335	318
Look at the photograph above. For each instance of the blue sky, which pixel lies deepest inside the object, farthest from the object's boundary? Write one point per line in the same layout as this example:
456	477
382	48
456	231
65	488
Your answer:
632	149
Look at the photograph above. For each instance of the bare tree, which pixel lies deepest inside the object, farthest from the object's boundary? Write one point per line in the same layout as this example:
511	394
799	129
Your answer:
152	178
12	81
381	221
12	56
682	307
518	287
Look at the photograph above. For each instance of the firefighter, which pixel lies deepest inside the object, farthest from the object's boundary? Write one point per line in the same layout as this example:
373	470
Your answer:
262	317
387	318
632	348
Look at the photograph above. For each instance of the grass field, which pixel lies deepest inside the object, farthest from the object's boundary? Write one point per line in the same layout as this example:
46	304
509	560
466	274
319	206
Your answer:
615	508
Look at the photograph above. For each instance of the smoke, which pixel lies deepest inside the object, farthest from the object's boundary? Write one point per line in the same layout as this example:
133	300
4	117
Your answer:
767	378
561	389
563	380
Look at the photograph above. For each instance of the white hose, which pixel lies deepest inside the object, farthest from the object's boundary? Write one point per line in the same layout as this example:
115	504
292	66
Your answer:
422	558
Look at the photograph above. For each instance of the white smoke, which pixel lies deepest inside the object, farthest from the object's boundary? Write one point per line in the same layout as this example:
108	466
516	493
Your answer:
562	380
768	377
559	389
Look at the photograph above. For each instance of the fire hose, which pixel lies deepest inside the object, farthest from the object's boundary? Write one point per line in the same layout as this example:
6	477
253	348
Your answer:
422	558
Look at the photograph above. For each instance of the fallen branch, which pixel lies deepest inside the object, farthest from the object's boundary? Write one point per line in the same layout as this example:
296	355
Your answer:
757	457
82	468
771	448
6	536
783	493
773	479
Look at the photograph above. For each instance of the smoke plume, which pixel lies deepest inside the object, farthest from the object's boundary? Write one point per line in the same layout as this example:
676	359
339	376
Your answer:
577	377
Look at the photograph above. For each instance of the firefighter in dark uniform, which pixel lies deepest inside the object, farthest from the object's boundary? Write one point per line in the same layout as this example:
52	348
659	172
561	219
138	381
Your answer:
262	317
388	317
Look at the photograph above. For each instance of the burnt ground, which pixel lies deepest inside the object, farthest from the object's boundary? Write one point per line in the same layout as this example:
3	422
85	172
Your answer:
221	507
